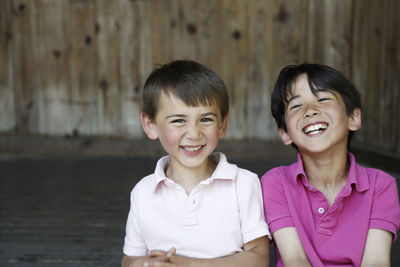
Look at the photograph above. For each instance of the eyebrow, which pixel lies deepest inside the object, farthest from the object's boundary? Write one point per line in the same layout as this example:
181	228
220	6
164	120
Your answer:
316	93
209	114
175	115
293	98
182	115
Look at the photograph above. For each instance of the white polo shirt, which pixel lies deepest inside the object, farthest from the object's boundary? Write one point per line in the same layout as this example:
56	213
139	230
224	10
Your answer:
216	219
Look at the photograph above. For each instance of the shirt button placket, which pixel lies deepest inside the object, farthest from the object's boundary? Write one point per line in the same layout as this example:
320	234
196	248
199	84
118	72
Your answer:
321	210
191	211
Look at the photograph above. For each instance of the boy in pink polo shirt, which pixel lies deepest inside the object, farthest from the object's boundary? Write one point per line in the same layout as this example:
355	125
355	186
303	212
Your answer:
196	208
325	209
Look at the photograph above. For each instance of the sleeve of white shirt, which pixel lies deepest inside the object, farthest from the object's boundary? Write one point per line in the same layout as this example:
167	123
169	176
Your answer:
134	244
250	206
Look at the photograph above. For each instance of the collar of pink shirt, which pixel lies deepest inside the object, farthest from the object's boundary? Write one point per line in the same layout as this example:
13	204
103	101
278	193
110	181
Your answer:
355	176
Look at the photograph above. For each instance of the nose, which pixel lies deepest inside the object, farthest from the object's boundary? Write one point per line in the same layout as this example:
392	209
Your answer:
311	111
193	131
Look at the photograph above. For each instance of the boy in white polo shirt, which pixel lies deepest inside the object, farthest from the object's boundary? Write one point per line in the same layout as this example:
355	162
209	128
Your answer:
196	208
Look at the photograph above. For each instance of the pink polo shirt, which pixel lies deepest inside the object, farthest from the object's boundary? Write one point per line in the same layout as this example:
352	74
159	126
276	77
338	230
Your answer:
333	235
216	219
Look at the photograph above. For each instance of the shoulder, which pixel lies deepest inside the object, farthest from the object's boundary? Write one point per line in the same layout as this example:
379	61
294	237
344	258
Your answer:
144	186
231	171
369	176
383	181
146	181
150	181
377	178
244	175
247	182
380	185
280	174
380	176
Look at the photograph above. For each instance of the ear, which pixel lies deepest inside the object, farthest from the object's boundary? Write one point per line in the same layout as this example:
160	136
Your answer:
148	126
223	127
285	137
355	120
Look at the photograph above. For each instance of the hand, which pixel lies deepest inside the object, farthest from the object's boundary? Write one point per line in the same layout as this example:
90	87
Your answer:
160	258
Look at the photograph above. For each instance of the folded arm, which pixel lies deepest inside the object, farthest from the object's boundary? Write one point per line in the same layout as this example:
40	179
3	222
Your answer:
255	253
132	261
377	248
290	248
157	258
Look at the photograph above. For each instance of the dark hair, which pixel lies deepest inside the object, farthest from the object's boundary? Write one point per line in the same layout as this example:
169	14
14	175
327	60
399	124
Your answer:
194	83
320	78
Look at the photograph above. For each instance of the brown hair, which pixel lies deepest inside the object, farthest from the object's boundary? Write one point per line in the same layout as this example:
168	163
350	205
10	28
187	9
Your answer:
194	83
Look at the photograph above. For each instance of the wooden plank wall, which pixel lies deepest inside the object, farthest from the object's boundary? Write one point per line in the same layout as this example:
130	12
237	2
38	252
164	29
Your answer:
77	67
7	98
376	71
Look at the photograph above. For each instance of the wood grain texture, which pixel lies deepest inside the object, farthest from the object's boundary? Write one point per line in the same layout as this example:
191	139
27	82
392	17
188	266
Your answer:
375	72
24	68
78	67
329	25
52	68
82	31
7	95
235	60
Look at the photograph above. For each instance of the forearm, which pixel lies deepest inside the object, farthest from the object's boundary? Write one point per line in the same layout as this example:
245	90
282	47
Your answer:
377	249
290	247
297	262
130	261
237	259
378	264
257	255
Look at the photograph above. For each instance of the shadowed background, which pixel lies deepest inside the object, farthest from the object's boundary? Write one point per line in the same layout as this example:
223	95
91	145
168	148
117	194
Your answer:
71	76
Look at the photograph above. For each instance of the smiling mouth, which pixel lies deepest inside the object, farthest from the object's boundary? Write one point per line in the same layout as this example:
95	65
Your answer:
191	148
315	128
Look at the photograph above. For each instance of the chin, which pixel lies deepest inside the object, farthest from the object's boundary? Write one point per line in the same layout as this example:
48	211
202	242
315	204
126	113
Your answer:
313	150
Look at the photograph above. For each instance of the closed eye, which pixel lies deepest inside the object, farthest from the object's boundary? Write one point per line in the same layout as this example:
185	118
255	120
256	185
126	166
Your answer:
322	99
295	107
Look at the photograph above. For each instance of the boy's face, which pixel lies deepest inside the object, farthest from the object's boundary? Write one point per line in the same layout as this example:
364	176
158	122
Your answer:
316	123
188	134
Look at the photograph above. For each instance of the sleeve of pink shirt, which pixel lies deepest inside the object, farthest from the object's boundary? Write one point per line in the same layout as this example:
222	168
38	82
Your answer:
276	206
385	211
134	244
250	206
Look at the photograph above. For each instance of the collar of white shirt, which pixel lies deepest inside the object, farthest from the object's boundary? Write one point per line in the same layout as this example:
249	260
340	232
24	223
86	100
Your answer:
223	171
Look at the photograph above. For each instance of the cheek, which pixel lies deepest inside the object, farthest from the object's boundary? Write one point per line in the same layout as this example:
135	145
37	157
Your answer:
168	135
290	121
212	133
339	114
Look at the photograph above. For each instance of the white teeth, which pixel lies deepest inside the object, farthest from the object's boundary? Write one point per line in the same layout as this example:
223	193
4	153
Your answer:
314	132
191	148
316	128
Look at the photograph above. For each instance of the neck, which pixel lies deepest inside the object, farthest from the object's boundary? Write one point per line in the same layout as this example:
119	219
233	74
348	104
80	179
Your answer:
189	178
326	169
327	172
